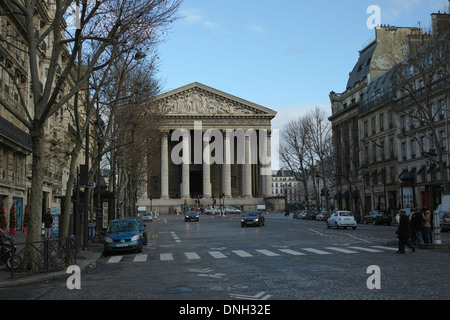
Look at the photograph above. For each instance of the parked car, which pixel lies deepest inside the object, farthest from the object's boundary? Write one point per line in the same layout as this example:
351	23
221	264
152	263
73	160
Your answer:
122	234
297	214
211	210
378	217
148	216
311	215
230	209
341	219
320	216
142	229
445	221
327	215
253	218
191	215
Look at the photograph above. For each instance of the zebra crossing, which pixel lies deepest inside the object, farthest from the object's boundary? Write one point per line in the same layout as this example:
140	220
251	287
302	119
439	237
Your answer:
278	252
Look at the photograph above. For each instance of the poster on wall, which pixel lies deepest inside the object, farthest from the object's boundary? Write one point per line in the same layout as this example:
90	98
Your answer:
408	199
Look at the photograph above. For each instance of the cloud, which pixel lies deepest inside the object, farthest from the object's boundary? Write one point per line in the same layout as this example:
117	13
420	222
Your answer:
194	16
255	28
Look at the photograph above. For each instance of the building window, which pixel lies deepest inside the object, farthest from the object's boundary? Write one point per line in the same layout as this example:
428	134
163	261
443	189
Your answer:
441	108
391	148
404	150
373	125
422	144
381	122
391	119
413	148
374	153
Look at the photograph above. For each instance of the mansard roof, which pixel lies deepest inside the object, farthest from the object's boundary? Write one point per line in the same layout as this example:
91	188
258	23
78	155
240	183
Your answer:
362	67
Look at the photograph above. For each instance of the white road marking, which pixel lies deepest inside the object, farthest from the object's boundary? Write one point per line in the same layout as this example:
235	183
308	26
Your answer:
268	253
341	250
242	253
192	255
217	254
365	249
317	251
292	252
115	259
166	256
140	258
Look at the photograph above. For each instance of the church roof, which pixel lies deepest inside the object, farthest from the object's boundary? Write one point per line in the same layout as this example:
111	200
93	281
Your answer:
239	105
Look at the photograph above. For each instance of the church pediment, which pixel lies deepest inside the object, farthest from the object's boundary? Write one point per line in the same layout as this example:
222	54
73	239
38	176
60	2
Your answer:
199	100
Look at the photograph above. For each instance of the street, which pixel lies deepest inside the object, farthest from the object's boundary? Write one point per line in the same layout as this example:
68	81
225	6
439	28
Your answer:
287	259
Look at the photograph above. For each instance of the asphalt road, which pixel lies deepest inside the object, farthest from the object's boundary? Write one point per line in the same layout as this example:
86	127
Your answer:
287	259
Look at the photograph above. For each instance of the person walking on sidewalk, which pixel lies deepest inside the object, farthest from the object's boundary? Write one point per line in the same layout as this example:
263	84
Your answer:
48	221
426	226
404	233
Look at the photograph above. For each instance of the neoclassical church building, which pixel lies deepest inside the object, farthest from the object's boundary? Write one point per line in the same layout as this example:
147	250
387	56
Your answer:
213	146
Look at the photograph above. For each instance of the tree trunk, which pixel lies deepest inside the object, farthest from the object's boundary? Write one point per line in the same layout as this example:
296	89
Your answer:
69	187
37	185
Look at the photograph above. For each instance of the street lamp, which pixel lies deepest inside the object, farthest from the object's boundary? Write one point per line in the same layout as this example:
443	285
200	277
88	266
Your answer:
436	217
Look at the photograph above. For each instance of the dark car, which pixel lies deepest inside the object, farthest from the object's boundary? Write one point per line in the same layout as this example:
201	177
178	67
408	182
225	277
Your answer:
142	229
122	234
252	218
378	217
191	216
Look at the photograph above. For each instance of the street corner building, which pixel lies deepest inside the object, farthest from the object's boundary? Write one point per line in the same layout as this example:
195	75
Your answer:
212	146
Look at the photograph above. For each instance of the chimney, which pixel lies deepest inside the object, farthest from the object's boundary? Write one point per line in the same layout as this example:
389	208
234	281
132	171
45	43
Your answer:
440	23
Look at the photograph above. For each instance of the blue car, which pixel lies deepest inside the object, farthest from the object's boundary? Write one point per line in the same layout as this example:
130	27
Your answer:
122	235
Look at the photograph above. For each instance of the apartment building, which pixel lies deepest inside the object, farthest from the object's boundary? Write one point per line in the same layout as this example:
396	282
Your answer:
377	121
15	141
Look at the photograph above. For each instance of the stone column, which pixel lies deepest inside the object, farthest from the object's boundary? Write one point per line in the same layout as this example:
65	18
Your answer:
226	167
266	168
206	161
165	165
185	188
247	170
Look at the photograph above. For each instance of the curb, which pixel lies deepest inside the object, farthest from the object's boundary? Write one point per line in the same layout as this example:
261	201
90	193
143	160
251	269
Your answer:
87	264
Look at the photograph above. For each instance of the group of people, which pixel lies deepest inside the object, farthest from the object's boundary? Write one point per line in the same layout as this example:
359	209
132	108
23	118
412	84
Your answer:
413	230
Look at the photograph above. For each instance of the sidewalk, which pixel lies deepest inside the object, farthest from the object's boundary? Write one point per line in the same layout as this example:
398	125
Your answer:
85	260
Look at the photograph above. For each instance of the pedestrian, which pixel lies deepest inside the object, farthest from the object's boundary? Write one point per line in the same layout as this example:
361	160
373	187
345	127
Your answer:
404	233
426	226
48	221
417	225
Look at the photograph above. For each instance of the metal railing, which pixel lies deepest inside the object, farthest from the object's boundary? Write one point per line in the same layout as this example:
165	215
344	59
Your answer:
44	256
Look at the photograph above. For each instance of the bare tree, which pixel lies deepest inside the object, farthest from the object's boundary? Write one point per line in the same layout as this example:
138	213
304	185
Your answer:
320	141
421	80
105	30
293	151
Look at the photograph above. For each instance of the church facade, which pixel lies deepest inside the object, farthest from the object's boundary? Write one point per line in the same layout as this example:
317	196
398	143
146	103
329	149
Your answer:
213	146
